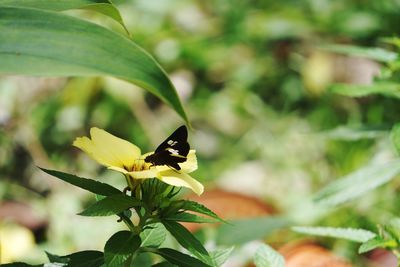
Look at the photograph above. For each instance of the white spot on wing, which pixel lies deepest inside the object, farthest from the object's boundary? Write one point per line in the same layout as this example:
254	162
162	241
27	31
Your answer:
172	142
173	151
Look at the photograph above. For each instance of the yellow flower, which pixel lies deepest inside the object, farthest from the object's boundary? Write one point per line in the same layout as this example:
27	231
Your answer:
122	156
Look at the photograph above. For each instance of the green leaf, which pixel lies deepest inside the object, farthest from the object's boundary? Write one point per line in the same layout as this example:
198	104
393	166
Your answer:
38	42
189	217
245	230
102	6
142	259
389	89
220	256
267	257
120	247
352	234
395	137
111	205
84	183
154	236
357	183
393	228
187	240
376	242
199	208
373	53
178	258
86	258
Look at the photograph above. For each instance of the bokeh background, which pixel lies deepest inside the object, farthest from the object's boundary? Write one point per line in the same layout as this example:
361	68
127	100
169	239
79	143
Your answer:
256	83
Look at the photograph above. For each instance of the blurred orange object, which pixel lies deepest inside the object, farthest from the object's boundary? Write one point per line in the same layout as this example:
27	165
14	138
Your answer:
308	254
229	205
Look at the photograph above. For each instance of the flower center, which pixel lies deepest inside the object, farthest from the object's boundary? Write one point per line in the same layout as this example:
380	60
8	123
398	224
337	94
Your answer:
138	165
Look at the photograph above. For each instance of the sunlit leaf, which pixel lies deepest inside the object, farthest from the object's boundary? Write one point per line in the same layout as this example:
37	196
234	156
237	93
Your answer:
154	236
190	217
221	255
352	234
376	242
357	183
267	257
39	42
120	247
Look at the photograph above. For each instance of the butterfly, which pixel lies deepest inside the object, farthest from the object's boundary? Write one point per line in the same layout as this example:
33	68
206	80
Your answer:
172	151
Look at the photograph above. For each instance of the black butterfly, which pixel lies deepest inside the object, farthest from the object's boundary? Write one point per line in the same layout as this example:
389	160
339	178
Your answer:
172	151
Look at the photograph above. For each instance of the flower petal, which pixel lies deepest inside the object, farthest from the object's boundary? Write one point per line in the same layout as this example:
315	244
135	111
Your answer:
181	179
108	149
145	174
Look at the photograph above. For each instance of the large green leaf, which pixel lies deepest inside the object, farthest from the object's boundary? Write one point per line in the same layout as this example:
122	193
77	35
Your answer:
357	183
188	240
352	234
120	247
102	6
267	257
178	258
84	183
245	230
39	42
111	205
153	236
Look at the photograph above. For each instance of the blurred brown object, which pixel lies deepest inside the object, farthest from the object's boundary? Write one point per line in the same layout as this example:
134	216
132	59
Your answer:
382	258
229	205
24	215
309	254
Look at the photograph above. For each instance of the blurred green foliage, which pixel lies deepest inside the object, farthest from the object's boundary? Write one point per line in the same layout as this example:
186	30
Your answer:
255	85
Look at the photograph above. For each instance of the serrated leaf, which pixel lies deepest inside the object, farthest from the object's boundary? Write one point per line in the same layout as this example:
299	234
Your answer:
154	236
120	247
86	258
373	53
179	258
357	183
395	137
241	231
376	242
267	257
38	42
102	6
199	208
389	89
352	234
187	240
221	255
189	217
84	183
111	205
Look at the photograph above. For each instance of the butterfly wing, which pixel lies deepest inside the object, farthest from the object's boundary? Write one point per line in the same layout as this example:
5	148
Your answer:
172	151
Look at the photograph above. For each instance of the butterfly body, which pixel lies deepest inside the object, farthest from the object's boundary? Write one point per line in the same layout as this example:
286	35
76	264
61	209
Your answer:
172	151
